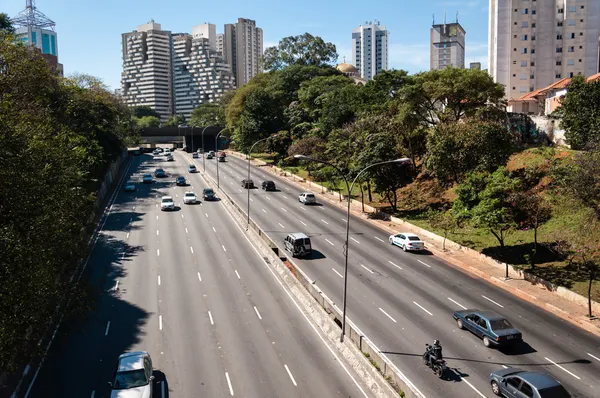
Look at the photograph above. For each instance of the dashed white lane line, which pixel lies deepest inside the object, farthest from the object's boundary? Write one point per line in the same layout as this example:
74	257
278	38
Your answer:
286	210
199	277
505	367
122	255
340	275
127	235
367	269
251	200
157	252
395	265
116	286
325	221
214	230
160	322
554	363
257	313
421	307
281	225
238	275
290	374
288	189
186	231
596	358
157	232
157	205
211	319
182	216
192	249
379	239
231	182
159	280
229	383
388	315
224	248
206	214
240	189
344	220
133	207
268	198
355	240
328	241
107	327
425	264
457	303
302	222
285	197
492	301
264	211
157	217
303	208
469	384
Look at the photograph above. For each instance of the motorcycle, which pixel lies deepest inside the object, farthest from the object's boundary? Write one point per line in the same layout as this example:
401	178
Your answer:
438	366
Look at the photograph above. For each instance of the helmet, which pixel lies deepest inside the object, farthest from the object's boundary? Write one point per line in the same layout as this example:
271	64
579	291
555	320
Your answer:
436	342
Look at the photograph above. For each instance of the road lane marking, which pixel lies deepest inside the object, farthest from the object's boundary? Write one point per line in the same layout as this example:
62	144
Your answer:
240	189
505	367
251	200
379	239
355	240
427	265
281	225
238	275
388	315
186	231
554	363
157	205
116	286
328	241
286	210
224	248
325	221
199	277
457	303
596	358
257	313
288	189
157	217
421	307
127	235
214	230
160	322
290	374
107	327
469	384
489	299
157	252
192	249
303	208
157	232
264	211
344	220
268	198
206	214
367	269
229	383
340	275
122	255
285	197
159	280
302	223
133	207
395	265
211	319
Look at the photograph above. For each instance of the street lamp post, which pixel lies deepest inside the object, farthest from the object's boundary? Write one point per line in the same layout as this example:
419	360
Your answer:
249	155
217	152
203	165
304	157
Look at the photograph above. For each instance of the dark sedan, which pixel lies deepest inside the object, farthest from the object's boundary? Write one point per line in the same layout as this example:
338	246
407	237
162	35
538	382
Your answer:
248	184
160	173
268	186
180	181
493	328
513	382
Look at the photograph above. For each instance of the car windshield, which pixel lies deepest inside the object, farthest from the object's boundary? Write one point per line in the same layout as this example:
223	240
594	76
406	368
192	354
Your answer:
209	192
499	324
130	379
147	176
167	200
310	195
554	392
413	238
189	195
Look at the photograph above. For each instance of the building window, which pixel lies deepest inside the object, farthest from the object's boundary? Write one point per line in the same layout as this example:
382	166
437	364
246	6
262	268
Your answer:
525	24
558	63
533	12
532	37
524	51
514	88
558	37
580	33
533	50
558	76
559	23
524	37
571	49
532	63
523	89
532	76
533	24
580	47
525	11
514	49
523	63
558	49
571	8
514	62
571	74
561	10
571	62
571	22
523	76
531	88
579	60
514	36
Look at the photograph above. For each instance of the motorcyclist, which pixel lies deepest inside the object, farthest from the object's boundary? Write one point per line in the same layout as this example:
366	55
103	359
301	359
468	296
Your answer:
435	352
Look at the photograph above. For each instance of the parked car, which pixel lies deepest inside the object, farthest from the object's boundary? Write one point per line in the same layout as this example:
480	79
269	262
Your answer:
147	179
308	198
189	198
160	173
298	244
166	203
407	241
208	194
195	155
268	186
493	328
133	376
248	184
514	382
192	168
180	181
130	187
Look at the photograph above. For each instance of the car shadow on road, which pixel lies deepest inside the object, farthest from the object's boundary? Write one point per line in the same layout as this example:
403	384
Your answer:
314	255
424	252
161	385
519	349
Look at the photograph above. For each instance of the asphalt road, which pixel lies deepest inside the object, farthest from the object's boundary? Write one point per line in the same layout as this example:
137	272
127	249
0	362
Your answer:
403	300
188	287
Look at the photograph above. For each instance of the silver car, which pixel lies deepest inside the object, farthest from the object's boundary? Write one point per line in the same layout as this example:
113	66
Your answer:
407	241
133	377
167	203
308	198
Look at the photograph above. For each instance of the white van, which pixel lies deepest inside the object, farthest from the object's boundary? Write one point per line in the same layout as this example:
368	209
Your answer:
298	244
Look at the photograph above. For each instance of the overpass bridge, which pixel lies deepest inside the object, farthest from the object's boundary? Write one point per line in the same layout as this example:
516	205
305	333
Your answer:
188	137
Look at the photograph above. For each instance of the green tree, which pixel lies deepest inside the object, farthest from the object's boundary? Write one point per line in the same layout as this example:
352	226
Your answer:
303	49
147	122
314	93
579	112
583	179
387	85
531	211
175	120
342	106
444	221
144	110
208	115
5	24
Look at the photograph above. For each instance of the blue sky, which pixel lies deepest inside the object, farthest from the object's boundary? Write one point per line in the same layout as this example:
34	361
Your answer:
89	31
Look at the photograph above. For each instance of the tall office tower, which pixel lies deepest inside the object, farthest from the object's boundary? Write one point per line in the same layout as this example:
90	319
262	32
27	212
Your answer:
532	44
200	75
146	76
475	65
220	38
207	31
370	49
243	49
447	45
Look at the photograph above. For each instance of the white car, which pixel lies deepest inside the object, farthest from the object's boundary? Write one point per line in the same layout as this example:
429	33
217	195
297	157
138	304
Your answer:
166	203
133	377
190	198
407	241
308	198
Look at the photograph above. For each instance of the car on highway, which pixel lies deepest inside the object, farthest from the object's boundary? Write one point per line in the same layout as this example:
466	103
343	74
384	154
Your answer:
170	158
156	152
298	244
133	376
407	241
167	150
209	155
130	187
268	186
147	179
491	327
208	194
190	198
248	184
221	158
160	173
192	168
166	203
180	181
514	382
308	198
159	149
195	155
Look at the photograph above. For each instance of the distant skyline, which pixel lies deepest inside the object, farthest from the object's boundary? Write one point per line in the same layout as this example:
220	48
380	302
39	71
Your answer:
89	35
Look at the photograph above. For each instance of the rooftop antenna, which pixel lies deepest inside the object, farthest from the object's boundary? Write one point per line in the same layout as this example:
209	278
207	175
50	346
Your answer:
457	16
344	59
433	19
31	18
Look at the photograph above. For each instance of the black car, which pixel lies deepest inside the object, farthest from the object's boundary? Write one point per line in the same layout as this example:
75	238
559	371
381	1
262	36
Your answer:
160	173
493	328
248	184
513	382
208	194
180	181
268	186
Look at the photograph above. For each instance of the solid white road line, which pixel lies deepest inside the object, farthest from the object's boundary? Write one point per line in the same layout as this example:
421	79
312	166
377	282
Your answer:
554	363
421	307
489	299
211	319
303	208
325	221
395	265
229	383
355	240
214	230
157	217
160	322
238	275
302	222
224	248
290	374
328	241
107	327
457	303
427	265
264	211
367	269
157	252
159	280
469	384
340	275
596	358
257	313
199	277
192	249
388	315
379	239
285	209
281	225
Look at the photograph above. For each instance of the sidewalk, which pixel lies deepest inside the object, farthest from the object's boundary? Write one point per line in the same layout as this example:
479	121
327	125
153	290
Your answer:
536	294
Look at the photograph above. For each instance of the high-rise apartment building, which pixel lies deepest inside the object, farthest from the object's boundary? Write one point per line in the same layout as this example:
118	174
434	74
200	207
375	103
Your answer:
533	43
243	49
220	39
475	65
146	76
447	45
207	31
370	49
200	75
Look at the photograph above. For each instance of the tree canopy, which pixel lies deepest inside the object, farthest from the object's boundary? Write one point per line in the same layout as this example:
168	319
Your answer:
305	50
579	111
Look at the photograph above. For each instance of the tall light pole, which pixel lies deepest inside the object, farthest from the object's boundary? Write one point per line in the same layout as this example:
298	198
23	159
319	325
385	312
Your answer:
217	152
304	157
204	129
249	155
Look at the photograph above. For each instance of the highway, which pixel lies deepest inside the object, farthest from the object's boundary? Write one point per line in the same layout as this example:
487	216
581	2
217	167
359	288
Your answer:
403	300
188	287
